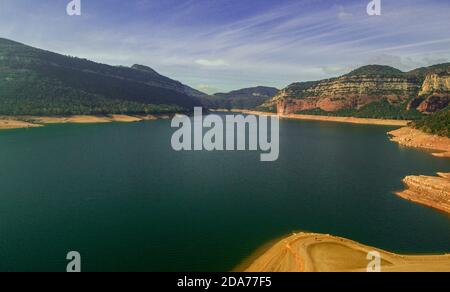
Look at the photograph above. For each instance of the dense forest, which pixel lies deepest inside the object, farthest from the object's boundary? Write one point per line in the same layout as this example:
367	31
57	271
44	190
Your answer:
37	82
438	124
247	98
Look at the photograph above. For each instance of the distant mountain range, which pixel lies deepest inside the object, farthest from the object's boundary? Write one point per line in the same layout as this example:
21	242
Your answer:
372	91
247	98
38	82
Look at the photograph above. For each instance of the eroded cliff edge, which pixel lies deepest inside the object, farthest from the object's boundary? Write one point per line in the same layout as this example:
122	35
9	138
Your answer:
426	190
425	90
409	137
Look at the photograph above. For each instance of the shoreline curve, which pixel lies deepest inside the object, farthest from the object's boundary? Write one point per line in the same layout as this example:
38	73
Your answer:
312	252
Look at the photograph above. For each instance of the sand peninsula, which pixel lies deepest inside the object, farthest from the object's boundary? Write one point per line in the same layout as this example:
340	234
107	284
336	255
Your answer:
348	120
21	122
310	252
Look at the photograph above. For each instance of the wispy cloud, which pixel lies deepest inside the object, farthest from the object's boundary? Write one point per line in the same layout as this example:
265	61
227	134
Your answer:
229	44
212	63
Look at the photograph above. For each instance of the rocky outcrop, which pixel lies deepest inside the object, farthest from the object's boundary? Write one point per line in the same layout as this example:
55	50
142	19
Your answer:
427	90
434	94
346	92
287	106
414	103
436	83
428	190
434	103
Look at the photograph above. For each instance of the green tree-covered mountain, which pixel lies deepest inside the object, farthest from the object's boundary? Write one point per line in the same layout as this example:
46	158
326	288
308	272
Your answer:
247	98
38	82
376	70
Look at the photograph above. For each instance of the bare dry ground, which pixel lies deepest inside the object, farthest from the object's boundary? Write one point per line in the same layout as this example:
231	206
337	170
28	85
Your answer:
10	123
19	122
349	120
310	252
410	137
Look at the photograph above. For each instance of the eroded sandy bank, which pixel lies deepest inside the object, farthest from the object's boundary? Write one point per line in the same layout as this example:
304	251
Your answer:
431	191
309	252
350	120
11	123
34	121
410	137
85	119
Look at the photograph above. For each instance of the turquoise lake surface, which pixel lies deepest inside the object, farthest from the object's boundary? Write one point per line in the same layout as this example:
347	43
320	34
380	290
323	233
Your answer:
119	195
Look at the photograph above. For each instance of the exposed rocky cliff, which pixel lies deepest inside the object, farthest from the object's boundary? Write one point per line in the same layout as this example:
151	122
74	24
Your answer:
425	89
428	190
436	83
434	94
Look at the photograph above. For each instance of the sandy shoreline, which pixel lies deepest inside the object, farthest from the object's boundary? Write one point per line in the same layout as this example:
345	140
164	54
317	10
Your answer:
9	123
310	252
20	122
410	137
431	191
348	120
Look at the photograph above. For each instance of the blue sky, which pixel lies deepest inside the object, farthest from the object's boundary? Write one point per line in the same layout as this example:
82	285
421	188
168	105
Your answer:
221	45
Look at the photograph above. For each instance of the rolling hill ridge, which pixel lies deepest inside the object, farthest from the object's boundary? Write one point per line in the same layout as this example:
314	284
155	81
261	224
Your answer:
372	91
246	98
38	82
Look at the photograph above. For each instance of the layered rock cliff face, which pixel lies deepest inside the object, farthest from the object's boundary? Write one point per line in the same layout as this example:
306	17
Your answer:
347	92
435	83
432	191
425	89
434	94
428	190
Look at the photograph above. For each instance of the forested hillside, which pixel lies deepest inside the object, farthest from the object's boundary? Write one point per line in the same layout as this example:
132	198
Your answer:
38	82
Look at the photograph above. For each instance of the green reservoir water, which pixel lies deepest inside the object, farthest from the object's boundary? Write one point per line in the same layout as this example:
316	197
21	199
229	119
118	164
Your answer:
119	195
